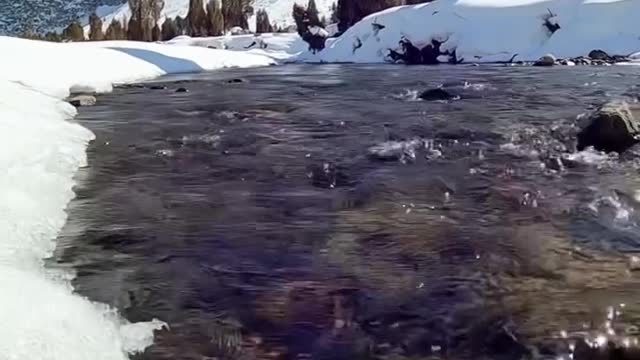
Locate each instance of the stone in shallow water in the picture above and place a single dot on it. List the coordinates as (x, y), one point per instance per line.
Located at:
(236, 81)
(546, 60)
(182, 90)
(436, 94)
(613, 127)
(82, 100)
(599, 55)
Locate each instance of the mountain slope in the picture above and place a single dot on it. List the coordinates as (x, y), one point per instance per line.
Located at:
(491, 30)
(40, 16)
(45, 15)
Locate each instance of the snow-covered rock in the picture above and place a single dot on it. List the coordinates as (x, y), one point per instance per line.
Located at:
(279, 46)
(493, 30)
(40, 151)
(546, 60)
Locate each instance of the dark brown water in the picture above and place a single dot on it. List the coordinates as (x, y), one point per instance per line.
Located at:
(253, 218)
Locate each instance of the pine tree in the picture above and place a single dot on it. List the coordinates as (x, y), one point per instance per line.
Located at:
(124, 29)
(134, 29)
(197, 19)
(73, 32)
(113, 31)
(236, 13)
(300, 18)
(263, 25)
(312, 14)
(215, 17)
(95, 28)
(144, 16)
(334, 14)
(53, 36)
(169, 29)
(181, 25)
(156, 33)
(28, 33)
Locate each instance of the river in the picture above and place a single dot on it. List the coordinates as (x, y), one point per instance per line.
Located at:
(256, 215)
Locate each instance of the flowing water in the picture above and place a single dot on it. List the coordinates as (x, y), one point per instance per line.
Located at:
(323, 212)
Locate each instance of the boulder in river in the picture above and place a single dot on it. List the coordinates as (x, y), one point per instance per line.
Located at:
(436, 94)
(236, 81)
(615, 126)
(546, 60)
(599, 55)
(82, 100)
(182, 90)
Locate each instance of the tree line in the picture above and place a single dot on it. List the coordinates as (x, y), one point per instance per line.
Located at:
(210, 19)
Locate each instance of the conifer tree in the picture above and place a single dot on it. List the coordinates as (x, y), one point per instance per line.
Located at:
(156, 33)
(73, 32)
(197, 19)
(263, 25)
(312, 14)
(95, 28)
(215, 17)
(169, 29)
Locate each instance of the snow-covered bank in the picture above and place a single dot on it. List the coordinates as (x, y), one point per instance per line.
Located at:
(493, 30)
(278, 46)
(57, 68)
(40, 151)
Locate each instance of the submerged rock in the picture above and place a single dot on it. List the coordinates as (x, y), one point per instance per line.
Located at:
(613, 127)
(546, 60)
(158, 87)
(236, 81)
(182, 90)
(404, 151)
(82, 100)
(436, 94)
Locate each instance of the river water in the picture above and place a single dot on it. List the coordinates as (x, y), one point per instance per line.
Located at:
(323, 212)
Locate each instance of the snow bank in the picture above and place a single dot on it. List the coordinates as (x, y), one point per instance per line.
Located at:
(56, 68)
(40, 150)
(494, 30)
(280, 46)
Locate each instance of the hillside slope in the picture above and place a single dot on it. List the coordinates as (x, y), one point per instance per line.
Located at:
(46, 15)
(492, 30)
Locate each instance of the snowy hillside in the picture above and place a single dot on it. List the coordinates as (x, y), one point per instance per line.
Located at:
(47, 15)
(44, 15)
(493, 30)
